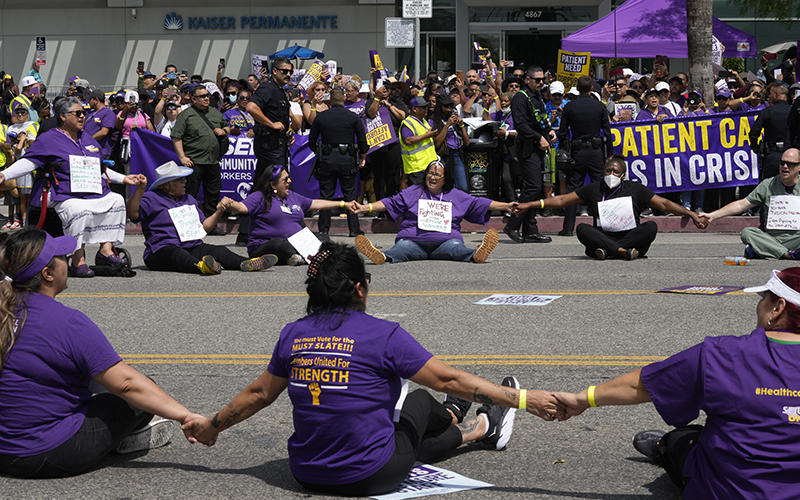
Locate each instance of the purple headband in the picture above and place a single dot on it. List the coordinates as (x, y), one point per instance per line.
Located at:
(276, 172)
(62, 245)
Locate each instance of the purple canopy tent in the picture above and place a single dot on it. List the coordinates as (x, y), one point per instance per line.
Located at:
(644, 29)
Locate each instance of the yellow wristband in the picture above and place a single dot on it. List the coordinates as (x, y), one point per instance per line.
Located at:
(313, 109)
(523, 399)
(590, 396)
(741, 99)
(542, 202)
(341, 205)
(370, 208)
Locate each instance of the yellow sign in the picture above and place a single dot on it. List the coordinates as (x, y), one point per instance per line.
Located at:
(571, 66)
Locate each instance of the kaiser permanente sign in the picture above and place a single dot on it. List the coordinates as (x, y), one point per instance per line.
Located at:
(174, 22)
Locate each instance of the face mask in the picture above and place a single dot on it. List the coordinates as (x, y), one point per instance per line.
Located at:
(232, 99)
(506, 111)
(612, 181)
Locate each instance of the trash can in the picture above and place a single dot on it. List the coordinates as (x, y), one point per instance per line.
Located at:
(482, 174)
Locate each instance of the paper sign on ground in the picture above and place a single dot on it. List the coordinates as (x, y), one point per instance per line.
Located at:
(702, 290)
(424, 480)
(433, 215)
(84, 174)
(306, 244)
(784, 212)
(187, 222)
(500, 299)
(616, 214)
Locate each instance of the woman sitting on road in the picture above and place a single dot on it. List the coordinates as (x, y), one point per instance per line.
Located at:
(356, 433)
(174, 226)
(431, 226)
(277, 213)
(747, 386)
(51, 425)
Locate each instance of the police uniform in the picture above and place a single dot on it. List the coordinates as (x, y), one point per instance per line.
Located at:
(772, 120)
(530, 122)
(270, 146)
(792, 137)
(581, 123)
(338, 158)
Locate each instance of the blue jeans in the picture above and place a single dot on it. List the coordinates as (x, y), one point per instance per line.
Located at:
(459, 172)
(405, 250)
(693, 200)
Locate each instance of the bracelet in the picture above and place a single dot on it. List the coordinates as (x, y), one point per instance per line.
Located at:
(486, 110)
(313, 109)
(370, 208)
(741, 99)
(523, 399)
(590, 396)
(541, 202)
(506, 134)
(341, 205)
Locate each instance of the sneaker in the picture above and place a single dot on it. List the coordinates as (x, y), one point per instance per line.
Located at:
(646, 213)
(368, 249)
(750, 253)
(584, 213)
(294, 260)
(7, 225)
(154, 435)
(490, 240)
(645, 442)
(259, 263)
(458, 406)
(501, 420)
(209, 266)
(109, 261)
(631, 254)
(16, 224)
(84, 271)
(794, 254)
(217, 232)
(600, 254)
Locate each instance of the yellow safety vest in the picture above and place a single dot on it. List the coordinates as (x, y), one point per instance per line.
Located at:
(3, 138)
(418, 156)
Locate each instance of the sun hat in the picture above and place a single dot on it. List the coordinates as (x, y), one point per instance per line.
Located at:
(168, 172)
(778, 287)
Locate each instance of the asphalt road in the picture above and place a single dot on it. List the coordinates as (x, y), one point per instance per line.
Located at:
(204, 338)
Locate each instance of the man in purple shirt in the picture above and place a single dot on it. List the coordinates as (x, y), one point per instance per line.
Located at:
(100, 122)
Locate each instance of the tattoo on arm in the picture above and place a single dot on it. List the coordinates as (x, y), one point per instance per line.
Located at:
(215, 421)
(510, 395)
(481, 398)
(233, 417)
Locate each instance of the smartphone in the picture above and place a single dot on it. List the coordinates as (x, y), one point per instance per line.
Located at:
(222, 62)
(483, 52)
(460, 75)
(339, 70)
(724, 73)
(265, 64)
(171, 75)
(778, 72)
(185, 72)
(769, 56)
(325, 97)
(140, 67)
(510, 64)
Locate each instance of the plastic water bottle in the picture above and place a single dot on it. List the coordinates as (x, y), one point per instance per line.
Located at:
(736, 261)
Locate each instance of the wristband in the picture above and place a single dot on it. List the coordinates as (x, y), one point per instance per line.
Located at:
(741, 99)
(341, 205)
(590, 396)
(486, 110)
(370, 208)
(541, 202)
(523, 399)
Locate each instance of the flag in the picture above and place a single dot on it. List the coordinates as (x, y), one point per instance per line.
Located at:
(149, 151)
(403, 76)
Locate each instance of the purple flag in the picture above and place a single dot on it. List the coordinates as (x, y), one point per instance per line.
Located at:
(150, 150)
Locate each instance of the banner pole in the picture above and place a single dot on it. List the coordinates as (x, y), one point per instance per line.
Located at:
(416, 50)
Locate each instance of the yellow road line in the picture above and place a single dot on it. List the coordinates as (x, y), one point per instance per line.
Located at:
(426, 293)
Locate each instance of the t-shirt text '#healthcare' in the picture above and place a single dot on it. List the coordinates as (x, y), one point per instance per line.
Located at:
(321, 360)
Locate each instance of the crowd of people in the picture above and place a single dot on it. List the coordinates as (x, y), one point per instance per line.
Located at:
(359, 434)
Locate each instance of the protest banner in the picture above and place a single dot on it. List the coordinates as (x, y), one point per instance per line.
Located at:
(312, 75)
(684, 154)
(257, 62)
(380, 131)
(571, 66)
(376, 64)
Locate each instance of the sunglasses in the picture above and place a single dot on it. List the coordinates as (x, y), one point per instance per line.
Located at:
(230, 94)
(244, 97)
(537, 80)
(513, 85)
(637, 87)
(77, 114)
(285, 71)
(203, 96)
(790, 164)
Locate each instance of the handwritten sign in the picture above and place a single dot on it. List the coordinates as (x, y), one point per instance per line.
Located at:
(84, 174)
(306, 244)
(380, 131)
(187, 222)
(784, 213)
(500, 299)
(625, 111)
(616, 214)
(435, 215)
(257, 62)
(424, 480)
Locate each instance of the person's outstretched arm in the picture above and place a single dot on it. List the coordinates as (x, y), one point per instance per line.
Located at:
(559, 201)
(256, 396)
(626, 389)
(732, 208)
(666, 205)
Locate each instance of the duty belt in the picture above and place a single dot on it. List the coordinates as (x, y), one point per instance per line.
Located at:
(578, 144)
(344, 149)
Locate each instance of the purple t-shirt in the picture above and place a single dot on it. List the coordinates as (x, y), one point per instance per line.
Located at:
(453, 138)
(97, 120)
(749, 387)
(747, 107)
(405, 204)
(238, 118)
(646, 114)
(344, 432)
(44, 383)
(355, 107)
(157, 226)
(56, 146)
(283, 219)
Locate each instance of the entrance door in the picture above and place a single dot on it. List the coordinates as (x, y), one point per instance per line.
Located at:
(540, 49)
(441, 55)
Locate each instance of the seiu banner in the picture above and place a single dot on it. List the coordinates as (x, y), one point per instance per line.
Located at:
(684, 154)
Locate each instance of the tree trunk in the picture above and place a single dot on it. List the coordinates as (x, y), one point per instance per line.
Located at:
(698, 38)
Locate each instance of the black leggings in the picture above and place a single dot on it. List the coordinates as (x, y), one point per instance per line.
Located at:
(276, 246)
(673, 449)
(108, 420)
(425, 431)
(181, 260)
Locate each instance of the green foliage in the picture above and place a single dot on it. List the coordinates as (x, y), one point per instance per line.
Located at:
(782, 10)
(734, 63)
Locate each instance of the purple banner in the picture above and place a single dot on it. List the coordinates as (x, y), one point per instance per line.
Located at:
(702, 290)
(684, 154)
(380, 131)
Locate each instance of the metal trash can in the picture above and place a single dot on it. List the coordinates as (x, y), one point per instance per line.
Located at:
(482, 175)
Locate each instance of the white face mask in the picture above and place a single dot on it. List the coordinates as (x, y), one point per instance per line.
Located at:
(612, 181)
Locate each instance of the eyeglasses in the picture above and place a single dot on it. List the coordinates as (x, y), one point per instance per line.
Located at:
(285, 71)
(434, 175)
(230, 94)
(513, 85)
(485, 94)
(368, 277)
(203, 96)
(244, 97)
(78, 113)
(21, 112)
(395, 88)
(790, 164)
(184, 91)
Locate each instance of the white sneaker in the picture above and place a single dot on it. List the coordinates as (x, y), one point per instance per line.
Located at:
(154, 435)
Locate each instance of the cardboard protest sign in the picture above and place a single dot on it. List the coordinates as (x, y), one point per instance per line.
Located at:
(571, 66)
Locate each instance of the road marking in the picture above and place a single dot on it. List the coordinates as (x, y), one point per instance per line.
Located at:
(454, 359)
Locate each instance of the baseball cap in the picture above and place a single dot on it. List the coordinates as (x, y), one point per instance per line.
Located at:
(662, 86)
(80, 82)
(694, 97)
(724, 92)
(650, 91)
(556, 88)
(27, 81)
(97, 94)
(418, 102)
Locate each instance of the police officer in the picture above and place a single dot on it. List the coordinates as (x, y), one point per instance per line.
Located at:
(270, 111)
(772, 120)
(534, 136)
(792, 138)
(338, 156)
(581, 123)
